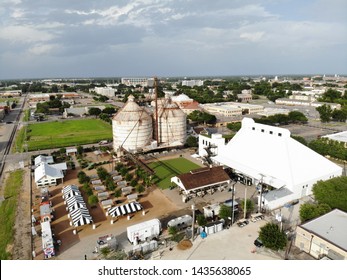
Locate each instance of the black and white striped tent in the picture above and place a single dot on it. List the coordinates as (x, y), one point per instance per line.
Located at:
(74, 199)
(81, 217)
(125, 209)
(71, 194)
(77, 205)
(69, 188)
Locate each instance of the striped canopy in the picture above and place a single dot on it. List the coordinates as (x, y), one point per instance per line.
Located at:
(71, 193)
(76, 205)
(73, 200)
(69, 188)
(81, 217)
(125, 209)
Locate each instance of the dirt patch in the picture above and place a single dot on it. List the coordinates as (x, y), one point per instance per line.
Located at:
(184, 244)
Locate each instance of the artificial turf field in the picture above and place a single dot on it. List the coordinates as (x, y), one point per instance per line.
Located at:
(166, 169)
(67, 133)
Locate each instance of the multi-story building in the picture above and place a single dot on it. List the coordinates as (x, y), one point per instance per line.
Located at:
(192, 83)
(144, 82)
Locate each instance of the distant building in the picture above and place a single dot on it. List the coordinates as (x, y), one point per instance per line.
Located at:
(245, 95)
(295, 102)
(229, 109)
(340, 137)
(11, 93)
(49, 175)
(192, 83)
(144, 82)
(324, 236)
(186, 104)
(106, 91)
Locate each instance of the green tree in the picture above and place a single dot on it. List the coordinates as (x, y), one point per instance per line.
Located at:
(128, 177)
(83, 178)
(249, 206)
(93, 200)
(102, 173)
(332, 192)
(339, 115)
(310, 211)
(93, 111)
(297, 117)
(224, 212)
(272, 237)
(79, 150)
(191, 141)
(118, 193)
(173, 231)
(325, 112)
(62, 151)
(236, 126)
(109, 111)
(201, 219)
(140, 188)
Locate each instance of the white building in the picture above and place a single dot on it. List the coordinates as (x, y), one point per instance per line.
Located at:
(268, 155)
(192, 83)
(208, 145)
(144, 82)
(300, 102)
(229, 109)
(340, 137)
(48, 175)
(106, 91)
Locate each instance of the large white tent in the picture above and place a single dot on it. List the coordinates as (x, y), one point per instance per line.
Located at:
(269, 155)
(125, 209)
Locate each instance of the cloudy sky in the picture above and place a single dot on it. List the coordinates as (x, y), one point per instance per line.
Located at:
(105, 38)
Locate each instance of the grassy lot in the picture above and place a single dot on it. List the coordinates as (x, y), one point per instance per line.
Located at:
(166, 169)
(67, 133)
(19, 141)
(8, 211)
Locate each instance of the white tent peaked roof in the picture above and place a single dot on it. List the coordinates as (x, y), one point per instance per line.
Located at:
(269, 153)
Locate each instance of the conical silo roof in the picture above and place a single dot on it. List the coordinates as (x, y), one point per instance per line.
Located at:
(131, 111)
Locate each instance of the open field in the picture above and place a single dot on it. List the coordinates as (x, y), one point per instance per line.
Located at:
(166, 169)
(67, 133)
(8, 212)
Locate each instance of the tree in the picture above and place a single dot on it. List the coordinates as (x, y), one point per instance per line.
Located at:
(201, 219)
(93, 111)
(325, 112)
(249, 205)
(118, 193)
(133, 183)
(62, 151)
(173, 232)
(191, 141)
(128, 177)
(83, 178)
(272, 237)
(339, 115)
(93, 200)
(236, 126)
(109, 111)
(297, 117)
(332, 192)
(102, 173)
(140, 188)
(224, 212)
(310, 211)
(79, 150)
(110, 185)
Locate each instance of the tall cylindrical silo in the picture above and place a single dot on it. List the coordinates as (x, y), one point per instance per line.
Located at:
(132, 127)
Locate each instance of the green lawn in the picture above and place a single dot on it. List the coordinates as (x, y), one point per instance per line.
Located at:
(67, 133)
(8, 211)
(166, 169)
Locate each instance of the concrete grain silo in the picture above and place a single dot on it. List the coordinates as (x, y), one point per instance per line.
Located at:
(132, 127)
(172, 124)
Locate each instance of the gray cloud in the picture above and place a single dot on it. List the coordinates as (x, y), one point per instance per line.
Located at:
(172, 37)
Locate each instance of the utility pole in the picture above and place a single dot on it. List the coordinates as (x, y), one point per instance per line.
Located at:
(156, 131)
(193, 222)
(233, 199)
(245, 204)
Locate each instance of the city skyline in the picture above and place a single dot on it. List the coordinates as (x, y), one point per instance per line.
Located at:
(50, 39)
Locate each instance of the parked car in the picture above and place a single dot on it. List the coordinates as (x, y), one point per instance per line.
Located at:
(258, 243)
